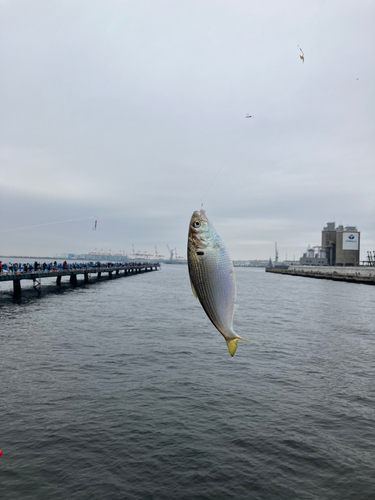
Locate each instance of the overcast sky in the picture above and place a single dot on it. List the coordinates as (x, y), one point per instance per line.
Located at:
(133, 112)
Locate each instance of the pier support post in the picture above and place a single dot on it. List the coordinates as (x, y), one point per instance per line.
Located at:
(37, 284)
(99, 275)
(73, 279)
(58, 280)
(86, 277)
(16, 287)
(110, 276)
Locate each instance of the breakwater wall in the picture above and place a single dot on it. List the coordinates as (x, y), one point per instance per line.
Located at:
(361, 274)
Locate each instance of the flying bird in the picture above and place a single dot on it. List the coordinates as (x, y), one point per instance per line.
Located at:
(302, 55)
(249, 116)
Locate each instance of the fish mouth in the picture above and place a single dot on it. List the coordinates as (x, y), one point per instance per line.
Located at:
(202, 215)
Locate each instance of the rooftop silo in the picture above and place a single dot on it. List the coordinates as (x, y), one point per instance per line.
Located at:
(347, 246)
(329, 242)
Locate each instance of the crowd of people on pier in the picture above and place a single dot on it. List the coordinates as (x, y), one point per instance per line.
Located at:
(37, 267)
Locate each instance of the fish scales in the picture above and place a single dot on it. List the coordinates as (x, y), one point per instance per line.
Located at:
(212, 286)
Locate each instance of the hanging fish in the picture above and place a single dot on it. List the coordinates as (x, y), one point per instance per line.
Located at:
(212, 276)
(249, 116)
(96, 222)
(302, 55)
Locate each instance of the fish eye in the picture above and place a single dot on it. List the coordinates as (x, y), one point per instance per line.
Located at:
(196, 223)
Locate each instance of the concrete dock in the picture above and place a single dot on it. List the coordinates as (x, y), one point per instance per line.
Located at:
(85, 270)
(360, 274)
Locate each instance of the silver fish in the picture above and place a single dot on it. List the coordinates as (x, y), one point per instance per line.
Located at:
(212, 276)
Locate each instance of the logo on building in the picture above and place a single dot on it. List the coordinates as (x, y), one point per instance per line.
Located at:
(350, 241)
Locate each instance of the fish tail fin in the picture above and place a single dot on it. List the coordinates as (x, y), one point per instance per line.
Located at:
(232, 344)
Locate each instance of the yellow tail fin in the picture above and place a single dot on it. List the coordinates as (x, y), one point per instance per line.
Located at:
(232, 344)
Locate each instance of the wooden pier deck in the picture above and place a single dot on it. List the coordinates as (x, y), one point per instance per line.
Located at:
(86, 270)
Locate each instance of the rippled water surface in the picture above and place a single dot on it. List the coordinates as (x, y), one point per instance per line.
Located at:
(124, 390)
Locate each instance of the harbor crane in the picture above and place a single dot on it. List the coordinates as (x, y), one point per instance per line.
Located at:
(176, 255)
(170, 251)
(157, 255)
(371, 259)
(136, 253)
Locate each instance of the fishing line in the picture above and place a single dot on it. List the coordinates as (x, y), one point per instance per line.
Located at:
(222, 166)
(93, 217)
(58, 222)
(44, 224)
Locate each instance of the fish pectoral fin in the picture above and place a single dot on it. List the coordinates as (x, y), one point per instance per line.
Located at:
(192, 287)
(232, 344)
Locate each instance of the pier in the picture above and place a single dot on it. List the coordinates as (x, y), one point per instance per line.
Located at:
(361, 274)
(86, 270)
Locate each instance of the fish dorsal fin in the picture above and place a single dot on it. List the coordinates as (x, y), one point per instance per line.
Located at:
(192, 287)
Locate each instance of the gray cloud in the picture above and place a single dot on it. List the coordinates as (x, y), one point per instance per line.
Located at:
(128, 111)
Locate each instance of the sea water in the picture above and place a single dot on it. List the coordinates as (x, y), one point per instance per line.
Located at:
(123, 389)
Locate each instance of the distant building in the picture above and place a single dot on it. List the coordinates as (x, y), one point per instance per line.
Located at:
(340, 247)
(312, 258)
(329, 242)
